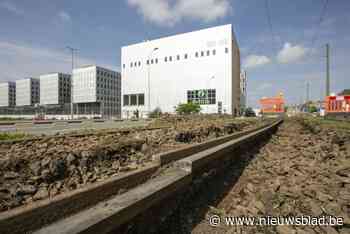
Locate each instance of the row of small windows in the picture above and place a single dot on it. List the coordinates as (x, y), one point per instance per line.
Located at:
(177, 57)
(107, 74)
(202, 97)
(134, 99)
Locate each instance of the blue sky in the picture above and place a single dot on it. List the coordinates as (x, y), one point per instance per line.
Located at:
(34, 34)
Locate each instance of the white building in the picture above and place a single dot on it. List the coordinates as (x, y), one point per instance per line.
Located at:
(55, 89)
(243, 85)
(201, 66)
(27, 92)
(7, 94)
(97, 90)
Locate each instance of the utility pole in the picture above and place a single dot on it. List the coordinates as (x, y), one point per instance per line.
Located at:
(307, 91)
(72, 50)
(328, 72)
(307, 95)
(149, 78)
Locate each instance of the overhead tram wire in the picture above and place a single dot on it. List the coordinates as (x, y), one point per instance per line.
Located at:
(268, 14)
(316, 34)
(257, 44)
(322, 15)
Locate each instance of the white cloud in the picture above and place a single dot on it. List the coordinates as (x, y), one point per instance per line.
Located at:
(19, 60)
(170, 12)
(255, 60)
(11, 7)
(264, 86)
(64, 16)
(290, 54)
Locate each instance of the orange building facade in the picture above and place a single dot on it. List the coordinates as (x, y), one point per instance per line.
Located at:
(272, 105)
(337, 104)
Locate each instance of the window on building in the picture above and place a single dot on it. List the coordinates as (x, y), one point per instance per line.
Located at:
(214, 52)
(196, 54)
(166, 59)
(156, 60)
(139, 64)
(208, 52)
(130, 64)
(135, 64)
(151, 61)
(178, 57)
(170, 58)
(147, 62)
(141, 98)
(202, 53)
(202, 97)
(186, 56)
(133, 99)
(226, 50)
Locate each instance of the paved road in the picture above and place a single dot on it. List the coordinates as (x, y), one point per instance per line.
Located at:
(64, 127)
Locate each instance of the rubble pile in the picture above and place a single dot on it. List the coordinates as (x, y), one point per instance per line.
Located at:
(36, 169)
(303, 170)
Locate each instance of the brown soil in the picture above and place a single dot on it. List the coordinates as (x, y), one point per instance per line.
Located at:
(304, 169)
(36, 169)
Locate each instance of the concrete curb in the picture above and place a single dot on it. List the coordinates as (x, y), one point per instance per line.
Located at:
(108, 215)
(199, 160)
(105, 216)
(28, 218)
(178, 154)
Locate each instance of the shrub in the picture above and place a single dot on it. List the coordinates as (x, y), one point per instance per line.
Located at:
(249, 112)
(188, 108)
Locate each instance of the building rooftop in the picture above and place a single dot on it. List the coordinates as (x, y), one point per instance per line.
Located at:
(345, 92)
(179, 34)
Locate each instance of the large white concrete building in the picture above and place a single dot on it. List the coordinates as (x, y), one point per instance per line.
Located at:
(7, 94)
(97, 90)
(55, 89)
(27, 92)
(201, 66)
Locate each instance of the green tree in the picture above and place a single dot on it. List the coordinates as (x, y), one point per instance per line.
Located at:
(188, 108)
(312, 109)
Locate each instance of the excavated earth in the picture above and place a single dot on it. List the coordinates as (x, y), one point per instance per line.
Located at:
(304, 169)
(37, 169)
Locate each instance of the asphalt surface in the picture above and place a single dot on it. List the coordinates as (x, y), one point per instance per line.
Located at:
(64, 127)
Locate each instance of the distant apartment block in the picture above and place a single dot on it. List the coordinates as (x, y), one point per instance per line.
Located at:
(27, 92)
(55, 89)
(7, 94)
(97, 90)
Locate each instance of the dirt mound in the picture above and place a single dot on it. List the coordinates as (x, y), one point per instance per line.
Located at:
(303, 170)
(36, 169)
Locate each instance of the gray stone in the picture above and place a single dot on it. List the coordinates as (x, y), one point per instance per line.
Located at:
(46, 175)
(45, 161)
(283, 229)
(35, 167)
(144, 148)
(27, 189)
(11, 175)
(57, 167)
(70, 159)
(41, 194)
(329, 230)
(306, 230)
(315, 209)
(344, 231)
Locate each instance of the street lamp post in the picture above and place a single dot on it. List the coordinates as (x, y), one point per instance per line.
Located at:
(72, 50)
(149, 79)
